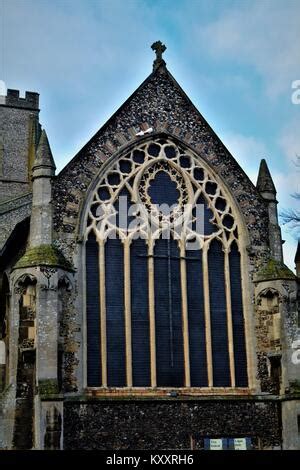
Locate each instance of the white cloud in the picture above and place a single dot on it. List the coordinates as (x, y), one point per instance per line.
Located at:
(70, 41)
(289, 140)
(247, 150)
(288, 183)
(2, 88)
(262, 34)
(289, 250)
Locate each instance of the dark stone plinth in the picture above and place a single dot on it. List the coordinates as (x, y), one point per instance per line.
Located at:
(167, 424)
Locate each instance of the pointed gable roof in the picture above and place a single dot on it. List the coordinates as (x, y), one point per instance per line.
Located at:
(158, 103)
(161, 104)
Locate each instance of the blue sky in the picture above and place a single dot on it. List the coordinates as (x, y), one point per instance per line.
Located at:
(235, 59)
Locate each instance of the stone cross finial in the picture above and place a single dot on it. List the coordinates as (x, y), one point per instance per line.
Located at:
(159, 49)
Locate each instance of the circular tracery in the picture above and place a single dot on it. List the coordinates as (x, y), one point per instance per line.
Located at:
(163, 191)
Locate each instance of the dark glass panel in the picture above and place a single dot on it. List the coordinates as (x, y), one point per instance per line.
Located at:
(115, 321)
(195, 296)
(168, 317)
(93, 313)
(240, 357)
(218, 315)
(140, 314)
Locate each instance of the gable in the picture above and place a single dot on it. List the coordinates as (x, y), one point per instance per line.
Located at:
(162, 242)
(159, 103)
(13, 212)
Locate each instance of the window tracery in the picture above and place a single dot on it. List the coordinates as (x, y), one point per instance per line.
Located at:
(180, 242)
(138, 173)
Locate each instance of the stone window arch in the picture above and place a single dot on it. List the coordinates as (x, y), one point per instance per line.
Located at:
(163, 311)
(269, 300)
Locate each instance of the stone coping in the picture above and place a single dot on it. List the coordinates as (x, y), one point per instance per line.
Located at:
(43, 255)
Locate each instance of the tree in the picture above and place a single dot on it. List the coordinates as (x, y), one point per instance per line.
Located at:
(291, 217)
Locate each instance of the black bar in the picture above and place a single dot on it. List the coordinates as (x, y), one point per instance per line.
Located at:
(146, 459)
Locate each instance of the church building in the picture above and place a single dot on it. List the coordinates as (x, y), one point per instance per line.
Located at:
(144, 299)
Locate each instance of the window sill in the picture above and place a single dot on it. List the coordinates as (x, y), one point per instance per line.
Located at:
(166, 392)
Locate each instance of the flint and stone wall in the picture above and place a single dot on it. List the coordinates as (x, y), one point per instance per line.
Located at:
(128, 424)
(168, 425)
(18, 137)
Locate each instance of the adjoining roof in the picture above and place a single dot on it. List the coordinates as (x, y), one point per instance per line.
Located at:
(15, 203)
(15, 241)
(12, 212)
(264, 179)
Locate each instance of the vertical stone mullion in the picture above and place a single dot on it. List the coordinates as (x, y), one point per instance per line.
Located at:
(152, 313)
(185, 322)
(208, 339)
(102, 312)
(127, 299)
(248, 327)
(229, 317)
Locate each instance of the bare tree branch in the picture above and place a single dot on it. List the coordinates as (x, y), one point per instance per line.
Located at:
(291, 217)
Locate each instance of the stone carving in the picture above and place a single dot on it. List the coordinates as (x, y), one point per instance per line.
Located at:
(48, 273)
(159, 49)
(22, 283)
(65, 282)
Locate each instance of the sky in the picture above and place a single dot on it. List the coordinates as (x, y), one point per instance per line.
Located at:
(237, 60)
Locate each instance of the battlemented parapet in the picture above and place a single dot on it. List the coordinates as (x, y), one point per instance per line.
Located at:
(13, 99)
(19, 134)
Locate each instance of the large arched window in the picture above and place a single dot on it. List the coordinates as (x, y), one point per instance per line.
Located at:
(164, 301)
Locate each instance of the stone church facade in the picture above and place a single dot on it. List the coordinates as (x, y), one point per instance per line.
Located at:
(115, 336)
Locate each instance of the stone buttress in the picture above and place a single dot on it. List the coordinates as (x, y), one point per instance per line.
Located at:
(35, 282)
